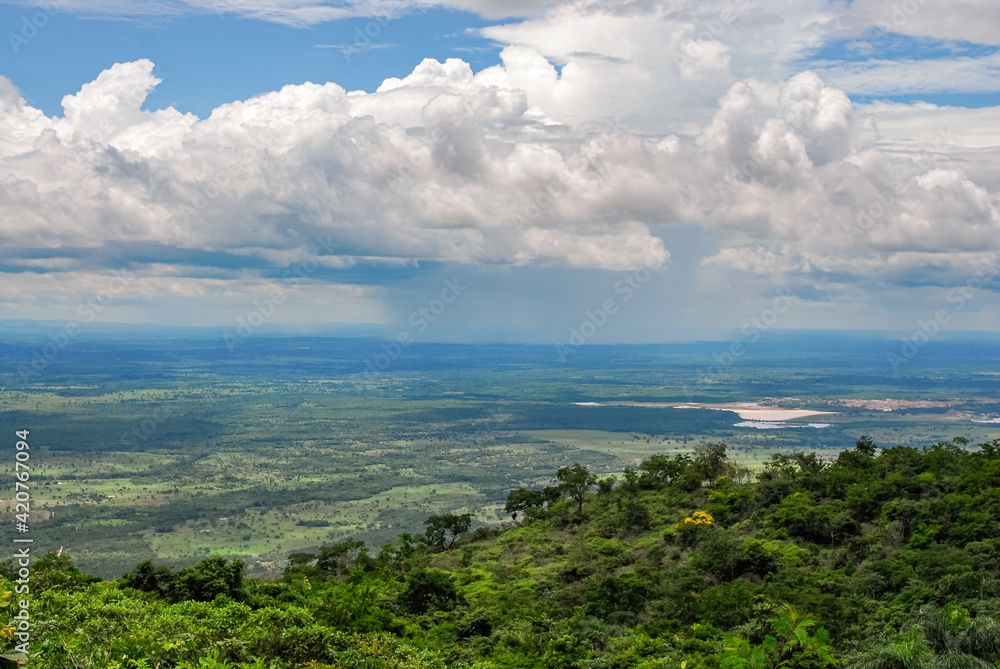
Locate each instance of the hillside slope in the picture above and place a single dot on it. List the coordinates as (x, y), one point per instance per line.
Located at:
(882, 559)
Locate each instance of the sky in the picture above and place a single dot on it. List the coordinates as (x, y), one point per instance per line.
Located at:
(459, 170)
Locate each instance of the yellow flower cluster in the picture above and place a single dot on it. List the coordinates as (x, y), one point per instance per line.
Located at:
(6, 632)
(696, 518)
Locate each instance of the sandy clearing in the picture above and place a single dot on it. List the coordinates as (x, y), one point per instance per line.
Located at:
(775, 414)
(750, 411)
(745, 410)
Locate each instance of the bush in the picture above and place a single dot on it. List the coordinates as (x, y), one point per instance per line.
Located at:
(207, 580)
(633, 516)
(428, 589)
(148, 577)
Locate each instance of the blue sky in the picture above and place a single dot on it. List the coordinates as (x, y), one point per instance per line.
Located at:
(207, 60)
(211, 58)
(838, 156)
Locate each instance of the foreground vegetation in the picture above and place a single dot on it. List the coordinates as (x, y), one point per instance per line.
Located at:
(881, 559)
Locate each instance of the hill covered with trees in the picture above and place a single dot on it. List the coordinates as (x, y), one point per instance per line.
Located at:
(882, 559)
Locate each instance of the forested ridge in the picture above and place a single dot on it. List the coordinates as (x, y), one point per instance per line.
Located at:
(882, 559)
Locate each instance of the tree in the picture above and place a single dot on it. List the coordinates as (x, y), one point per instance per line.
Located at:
(631, 484)
(301, 559)
(54, 570)
(907, 651)
(990, 450)
(952, 633)
(444, 531)
(659, 470)
(606, 485)
(710, 460)
(521, 500)
(790, 646)
(565, 652)
(866, 446)
(552, 494)
(10, 656)
(738, 474)
(627, 593)
(575, 482)
(207, 580)
(809, 463)
(338, 559)
(429, 589)
(801, 516)
(633, 515)
(148, 577)
(722, 553)
(948, 639)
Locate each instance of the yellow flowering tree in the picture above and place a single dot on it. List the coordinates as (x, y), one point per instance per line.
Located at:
(688, 529)
(9, 657)
(696, 518)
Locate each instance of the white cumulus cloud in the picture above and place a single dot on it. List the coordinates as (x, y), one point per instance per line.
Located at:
(503, 167)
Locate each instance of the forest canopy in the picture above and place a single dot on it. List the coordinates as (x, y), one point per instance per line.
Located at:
(880, 559)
